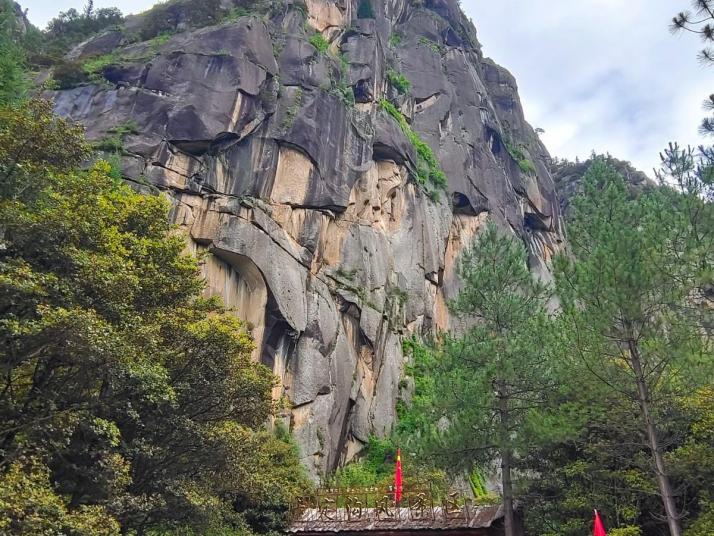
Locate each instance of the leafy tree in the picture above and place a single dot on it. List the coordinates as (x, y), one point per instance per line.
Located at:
(72, 27)
(693, 460)
(126, 399)
(13, 82)
(627, 315)
(166, 17)
(492, 382)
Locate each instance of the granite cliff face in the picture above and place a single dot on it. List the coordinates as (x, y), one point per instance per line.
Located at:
(319, 234)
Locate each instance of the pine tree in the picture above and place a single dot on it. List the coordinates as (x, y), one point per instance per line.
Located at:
(700, 21)
(493, 380)
(627, 311)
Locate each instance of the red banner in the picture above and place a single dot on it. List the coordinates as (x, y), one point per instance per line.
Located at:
(398, 478)
(598, 528)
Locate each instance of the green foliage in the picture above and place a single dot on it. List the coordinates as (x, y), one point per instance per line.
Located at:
(128, 400)
(160, 40)
(29, 505)
(34, 144)
(477, 482)
(365, 10)
(593, 464)
(319, 42)
(626, 531)
(165, 18)
(416, 421)
(400, 82)
(236, 13)
(13, 83)
(428, 168)
(435, 47)
(69, 74)
(375, 468)
(72, 27)
(629, 321)
(500, 355)
(524, 163)
(113, 143)
(687, 180)
(483, 395)
(700, 22)
(395, 39)
(94, 67)
(292, 110)
(343, 91)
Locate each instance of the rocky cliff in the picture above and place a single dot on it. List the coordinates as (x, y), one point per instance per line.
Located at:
(293, 144)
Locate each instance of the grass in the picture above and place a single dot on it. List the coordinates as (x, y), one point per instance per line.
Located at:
(114, 142)
(292, 111)
(338, 86)
(524, 163)
(234, 14)
(395, 39)
(400, 82)
(428, 168)
(160, 40)
(94, 67)
(320, 43)
(433, 45)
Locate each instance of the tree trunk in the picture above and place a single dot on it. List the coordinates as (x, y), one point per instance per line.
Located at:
(665, 487)
(506, 455)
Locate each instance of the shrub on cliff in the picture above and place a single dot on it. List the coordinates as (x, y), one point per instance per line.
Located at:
(126, 400)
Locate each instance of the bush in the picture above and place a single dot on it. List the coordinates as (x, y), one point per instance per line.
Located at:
(524, 163)
(168, 17)
(320, 43)
(69, 74)
(395, 39)
(626, 531)
(400, 82)
(72, 27)
(428, 168)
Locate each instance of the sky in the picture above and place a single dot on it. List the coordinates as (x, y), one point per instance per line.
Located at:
(602, 75)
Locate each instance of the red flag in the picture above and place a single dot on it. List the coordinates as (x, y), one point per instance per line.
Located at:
(599, 528)
(398, 478)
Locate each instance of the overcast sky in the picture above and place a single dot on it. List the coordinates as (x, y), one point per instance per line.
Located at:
(602, 75)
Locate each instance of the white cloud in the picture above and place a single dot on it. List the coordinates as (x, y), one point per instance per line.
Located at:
(599, 74)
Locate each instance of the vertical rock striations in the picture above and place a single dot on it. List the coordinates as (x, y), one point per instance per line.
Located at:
(282, 161)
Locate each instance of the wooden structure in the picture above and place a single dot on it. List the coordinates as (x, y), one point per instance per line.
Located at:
(374, 512)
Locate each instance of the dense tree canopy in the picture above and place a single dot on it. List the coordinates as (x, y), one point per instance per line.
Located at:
(127, 400)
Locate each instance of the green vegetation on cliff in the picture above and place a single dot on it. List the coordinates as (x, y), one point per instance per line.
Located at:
(12, 58)
(428, 169)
